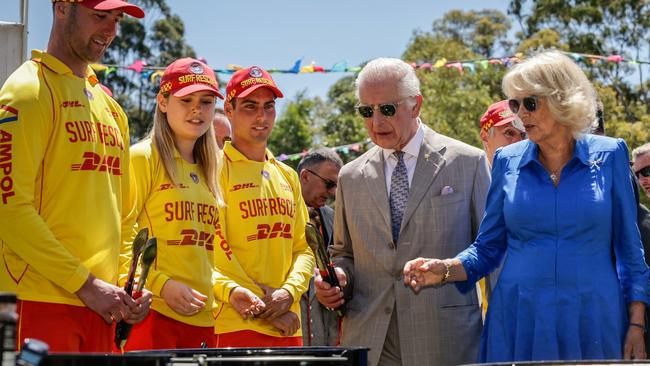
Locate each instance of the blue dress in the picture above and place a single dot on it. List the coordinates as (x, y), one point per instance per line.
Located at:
(559, 296)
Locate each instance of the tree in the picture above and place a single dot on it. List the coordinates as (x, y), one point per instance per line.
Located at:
(344, 125)
(454, 101)
(481, 31)
(292, 132)
(600, 27)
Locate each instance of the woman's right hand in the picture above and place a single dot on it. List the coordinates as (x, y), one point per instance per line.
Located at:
(423, 272)
(182, 298)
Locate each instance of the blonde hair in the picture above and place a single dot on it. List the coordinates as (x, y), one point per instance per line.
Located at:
(205, 152)
(561, 83)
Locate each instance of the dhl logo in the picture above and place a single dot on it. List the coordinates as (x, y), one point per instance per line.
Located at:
(166, 186)
(95, 162)
(71, 104)
(238, 187)
(193, 237)
(264, 231)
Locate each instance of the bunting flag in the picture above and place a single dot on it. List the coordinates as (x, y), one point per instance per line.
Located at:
(153, 72)
(343, 149)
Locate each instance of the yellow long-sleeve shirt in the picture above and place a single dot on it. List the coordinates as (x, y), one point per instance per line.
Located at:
(261, 237)
(64, 161)
(183, 220)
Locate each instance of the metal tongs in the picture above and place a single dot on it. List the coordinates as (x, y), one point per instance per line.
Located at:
(323, 260)
(147, 248)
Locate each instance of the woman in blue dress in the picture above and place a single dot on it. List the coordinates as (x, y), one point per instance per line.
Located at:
(561, 211)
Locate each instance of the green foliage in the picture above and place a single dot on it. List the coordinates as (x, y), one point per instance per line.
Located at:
(292, 132)
(480, 31)
(543, 39)
(344, 125)
(454, 102)
(601, 27)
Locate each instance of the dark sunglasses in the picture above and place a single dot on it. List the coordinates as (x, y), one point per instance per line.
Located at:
(644, 172)
(387, 109)
(530, 103)
(329, 184)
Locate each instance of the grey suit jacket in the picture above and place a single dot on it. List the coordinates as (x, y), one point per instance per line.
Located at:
(438, 326)
(320, 327)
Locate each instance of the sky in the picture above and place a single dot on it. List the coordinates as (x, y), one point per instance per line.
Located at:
(274, 34)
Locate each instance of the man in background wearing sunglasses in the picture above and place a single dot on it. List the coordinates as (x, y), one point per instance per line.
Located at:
(416, 193)
(318, 172)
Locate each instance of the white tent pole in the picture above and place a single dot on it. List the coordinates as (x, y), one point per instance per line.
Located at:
(24, 7)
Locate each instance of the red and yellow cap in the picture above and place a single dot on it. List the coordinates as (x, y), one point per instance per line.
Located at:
(186, 76)
(498, 114)
(246, 81)
(106, 5)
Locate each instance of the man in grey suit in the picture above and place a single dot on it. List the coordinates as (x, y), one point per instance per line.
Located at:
(318, 171)
(414, 194)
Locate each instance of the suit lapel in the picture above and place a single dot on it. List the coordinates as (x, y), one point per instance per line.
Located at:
(429, 163)
(373, 174)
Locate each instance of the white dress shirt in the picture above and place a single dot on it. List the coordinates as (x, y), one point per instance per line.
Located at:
(411, 151)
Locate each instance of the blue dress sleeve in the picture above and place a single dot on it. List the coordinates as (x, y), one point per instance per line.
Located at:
(630, 263)
(485, 254)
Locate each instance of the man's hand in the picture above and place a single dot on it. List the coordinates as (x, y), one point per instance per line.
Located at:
(182, 298)
(330, 297)
(138, 312)
(111, 302)
(288, 323)
(246, 302)
(422, 272)
(278, 301)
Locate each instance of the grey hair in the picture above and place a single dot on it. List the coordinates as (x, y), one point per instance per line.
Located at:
(641, 150)
(318, 156)
(381, 69)
(561, 83)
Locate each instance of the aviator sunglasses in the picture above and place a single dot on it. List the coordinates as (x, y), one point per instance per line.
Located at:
(386, 109)
(329, 184)
(530, 103)
(643, 172)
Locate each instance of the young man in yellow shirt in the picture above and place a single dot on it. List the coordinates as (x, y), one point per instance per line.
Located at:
(261, 245)
(64, 176)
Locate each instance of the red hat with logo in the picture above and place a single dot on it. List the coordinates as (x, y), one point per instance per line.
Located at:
(498, 114)
(246, 81)
(186, 76)
(107, 5)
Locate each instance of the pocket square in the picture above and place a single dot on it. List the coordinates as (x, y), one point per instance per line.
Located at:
(446, 190)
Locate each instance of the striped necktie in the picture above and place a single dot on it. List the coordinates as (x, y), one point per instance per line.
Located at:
(399, 193)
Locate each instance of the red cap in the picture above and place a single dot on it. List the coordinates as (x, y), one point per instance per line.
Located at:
(106, 5)
(246, 81)
(498, 114)
(187, 75)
